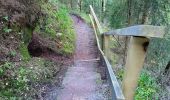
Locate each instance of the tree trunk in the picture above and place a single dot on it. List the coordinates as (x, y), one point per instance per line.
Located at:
(80, 5)
(71, 4)
(145, 11)
(103, 6)
(129, 15)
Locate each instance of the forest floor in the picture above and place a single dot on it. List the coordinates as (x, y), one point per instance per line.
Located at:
(82, 80)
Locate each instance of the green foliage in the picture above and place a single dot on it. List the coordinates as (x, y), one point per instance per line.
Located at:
(156, 62)
(19, 82)
(50, 27)
(26, 35)
(47, 25)
(147, 87)
(117, 14)
(83, 15)
(13, 80)
(65, 27)
(6, 18)
(120, 74)
(13, 53)
(24, 52)
(57, 21)
(7, 30)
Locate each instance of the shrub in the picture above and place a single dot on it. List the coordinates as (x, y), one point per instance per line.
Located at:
(22, 81)
(147, 87)
(13, 80)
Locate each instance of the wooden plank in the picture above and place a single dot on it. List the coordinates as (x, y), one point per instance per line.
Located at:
(134, 63)
(106, 46)
(140, 30)
(96, 19)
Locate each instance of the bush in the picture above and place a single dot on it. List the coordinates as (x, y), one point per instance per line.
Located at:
(147, 87)
(13, 80)
(57, 20)
(22, 82)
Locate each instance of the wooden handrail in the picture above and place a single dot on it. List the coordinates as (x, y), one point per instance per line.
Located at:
(139, 30)
(115, 87)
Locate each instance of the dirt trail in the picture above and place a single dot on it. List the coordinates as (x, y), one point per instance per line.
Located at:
(82, 80)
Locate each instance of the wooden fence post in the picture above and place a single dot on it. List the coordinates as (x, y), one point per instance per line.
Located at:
(106, 45)
(134, 63)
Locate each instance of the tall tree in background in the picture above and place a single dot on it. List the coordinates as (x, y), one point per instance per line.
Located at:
(129, 15)
(145, 11)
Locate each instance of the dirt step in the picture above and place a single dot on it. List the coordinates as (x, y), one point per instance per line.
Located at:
(80, 79)
(81, 69)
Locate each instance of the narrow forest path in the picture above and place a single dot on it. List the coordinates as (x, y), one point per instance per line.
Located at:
(82, 81)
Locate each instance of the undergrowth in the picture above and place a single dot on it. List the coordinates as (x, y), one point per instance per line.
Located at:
(22, 82)
(83, 15)
(24, 78)
(67, 36)
(58, 25)
(147, 87)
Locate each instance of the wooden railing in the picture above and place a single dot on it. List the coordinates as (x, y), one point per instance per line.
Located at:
(114, 85)
(139, 36)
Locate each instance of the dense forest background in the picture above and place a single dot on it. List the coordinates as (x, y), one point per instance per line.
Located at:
(47, 26)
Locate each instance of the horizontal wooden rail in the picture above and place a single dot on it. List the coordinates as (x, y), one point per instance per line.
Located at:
(139, 30)
(114, 85)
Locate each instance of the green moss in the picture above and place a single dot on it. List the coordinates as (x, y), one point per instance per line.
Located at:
(27, 35)
(57, 21)
(24, 52)
(68, 37)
